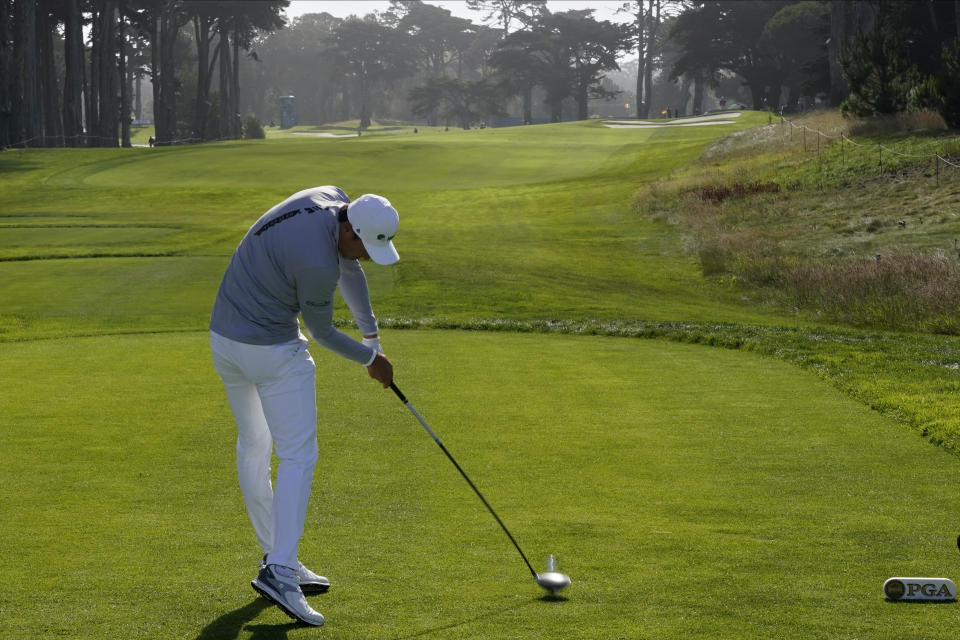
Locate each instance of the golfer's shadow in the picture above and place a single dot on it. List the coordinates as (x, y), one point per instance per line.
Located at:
(230, 625)
(494, 611)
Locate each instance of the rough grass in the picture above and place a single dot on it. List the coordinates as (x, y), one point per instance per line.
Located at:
(848, 236)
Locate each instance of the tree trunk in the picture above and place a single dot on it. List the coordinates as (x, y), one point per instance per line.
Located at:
(364, 106)
(163, 40)
(49, 89)
(236, 123)
(224, 86)
(581, 95)
(85, 140)
(201, 29)
(73, 76)
(775, 90)
(107, 71)
(29, 101)
(165, 110)
(838, 38)
(122, 64)
(158, 107)
(6, 77)
(756, 93)
(556, 111)
(684, 94)
(138, 95)
(698, 83)
(92, 93)
(642, 56)
(653, 20)
(528, 103)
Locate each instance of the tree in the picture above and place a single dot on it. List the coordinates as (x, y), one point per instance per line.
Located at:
(797, 35)
(520, 62)
(506, 11)
(698, 44)
(246, 17)
(473, 51)
(941, 91)
(7, 84)
(203, 15)
(106, 57)
(371, 55)
(646, 30)
(846, 18)
(592, 48)
(566, 53)
(717, 35)
(434, 33)
(465, 102)
(163, 19)
(27, 90)
(877, 67)
(293, 60)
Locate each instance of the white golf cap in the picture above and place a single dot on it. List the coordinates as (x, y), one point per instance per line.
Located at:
(375, 222)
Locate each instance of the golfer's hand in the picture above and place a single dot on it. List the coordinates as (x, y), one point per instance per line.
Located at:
(381, 370)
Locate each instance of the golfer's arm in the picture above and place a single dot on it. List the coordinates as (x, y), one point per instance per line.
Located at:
(316, 308)
(353, 288)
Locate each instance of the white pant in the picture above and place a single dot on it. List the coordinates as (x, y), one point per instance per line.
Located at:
(272, 393)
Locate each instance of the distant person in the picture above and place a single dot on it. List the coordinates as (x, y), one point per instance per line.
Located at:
(723, 102)
(288, 265)
(151, 141)
(415, 130)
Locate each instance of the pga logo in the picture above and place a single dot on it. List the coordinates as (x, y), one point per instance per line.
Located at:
(931, 589)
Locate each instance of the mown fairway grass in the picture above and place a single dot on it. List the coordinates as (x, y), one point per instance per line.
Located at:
(518, 223)
(688, 491)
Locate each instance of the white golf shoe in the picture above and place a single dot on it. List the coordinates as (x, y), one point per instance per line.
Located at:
(284, 591)
(310, 583)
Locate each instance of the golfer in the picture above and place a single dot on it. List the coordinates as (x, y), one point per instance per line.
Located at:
(289, 264)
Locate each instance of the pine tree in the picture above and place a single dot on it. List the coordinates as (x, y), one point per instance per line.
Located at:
(877, 69)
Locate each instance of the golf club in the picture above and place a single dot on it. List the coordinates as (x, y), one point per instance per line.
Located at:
(550, 580)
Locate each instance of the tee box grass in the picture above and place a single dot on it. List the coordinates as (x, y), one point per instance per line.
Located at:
(688, 491)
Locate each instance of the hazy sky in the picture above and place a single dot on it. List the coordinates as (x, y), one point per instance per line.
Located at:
(603, 9)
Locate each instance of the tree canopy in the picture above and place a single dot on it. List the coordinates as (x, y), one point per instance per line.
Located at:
(81, 72)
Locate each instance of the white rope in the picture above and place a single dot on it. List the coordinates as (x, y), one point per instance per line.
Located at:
(904, 155)
(882, 147)
(945, 161)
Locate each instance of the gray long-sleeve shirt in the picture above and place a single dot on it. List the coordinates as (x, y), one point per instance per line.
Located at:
(287, 264)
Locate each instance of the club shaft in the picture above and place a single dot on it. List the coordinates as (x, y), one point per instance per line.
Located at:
(423, 422)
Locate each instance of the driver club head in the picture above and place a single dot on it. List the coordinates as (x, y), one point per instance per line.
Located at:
(551, 579)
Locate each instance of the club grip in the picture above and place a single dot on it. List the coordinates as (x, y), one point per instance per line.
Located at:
(399, 393)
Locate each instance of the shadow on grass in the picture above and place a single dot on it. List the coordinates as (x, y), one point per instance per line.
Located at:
(481, 616)
(229, 625)
(552, 597)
